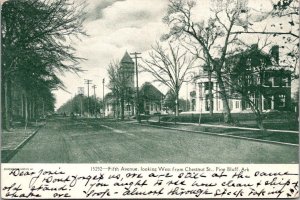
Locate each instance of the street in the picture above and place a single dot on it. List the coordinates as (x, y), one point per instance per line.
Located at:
(63, 140)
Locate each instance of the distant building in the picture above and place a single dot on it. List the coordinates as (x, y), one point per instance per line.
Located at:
(112, 106)
(128, 70)
(151, 99)
(268, 86)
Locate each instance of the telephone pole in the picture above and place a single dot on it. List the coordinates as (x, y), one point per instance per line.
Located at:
(103, 81)
(88, 82)
(135, 54)
(95, 109)
(81, 93)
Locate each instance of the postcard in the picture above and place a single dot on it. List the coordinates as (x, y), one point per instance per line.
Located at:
(149, 99)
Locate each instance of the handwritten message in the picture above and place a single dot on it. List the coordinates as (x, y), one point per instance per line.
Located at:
(96, 181)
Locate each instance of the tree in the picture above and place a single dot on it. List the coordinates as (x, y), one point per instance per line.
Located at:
(119, 85)
(213, 35)
(79, 104)
(170, 99)
(169, 67)
(247, 76)
(284, 29)
(35, 37)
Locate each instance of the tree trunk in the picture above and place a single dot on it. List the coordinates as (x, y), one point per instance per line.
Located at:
(226, 109)
(6, 114)
(211, 102)
(29, 111)
(22, 105)
(176, 104)
(259, 121)
(44, 109)
(260, 102)
(122, 108)
(32, 110)
(258, 114)
(259, 118)
(26, 111)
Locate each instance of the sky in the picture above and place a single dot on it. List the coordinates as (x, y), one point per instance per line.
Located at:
(114, 27)
(117, 26)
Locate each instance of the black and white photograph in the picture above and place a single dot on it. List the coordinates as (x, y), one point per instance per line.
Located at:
(150, 82)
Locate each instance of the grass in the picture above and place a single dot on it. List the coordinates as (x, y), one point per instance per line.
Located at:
(292, 138)
(276, 120)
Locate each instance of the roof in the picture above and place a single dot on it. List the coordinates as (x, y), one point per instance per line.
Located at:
(126, 58)
(150, 92)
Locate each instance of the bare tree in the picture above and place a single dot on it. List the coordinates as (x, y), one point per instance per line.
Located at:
(284, 29)
(118, 84)
(213, 36)
(194, 49)
(169, 67)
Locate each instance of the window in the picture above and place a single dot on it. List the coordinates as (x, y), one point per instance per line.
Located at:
(257, 80)
(249, 79)
(281, 102)
(276, 81)
(268, 103)
(128, 107)
(268, 80)
(285, 82)
(237, 104)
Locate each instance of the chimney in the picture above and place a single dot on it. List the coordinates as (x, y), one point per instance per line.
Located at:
(274, 52)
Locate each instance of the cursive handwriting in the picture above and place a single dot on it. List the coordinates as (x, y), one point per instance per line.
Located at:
(149, 181)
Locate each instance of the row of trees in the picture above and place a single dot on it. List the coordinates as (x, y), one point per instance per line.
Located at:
(36, 48)
(82, 105)
(216, 40)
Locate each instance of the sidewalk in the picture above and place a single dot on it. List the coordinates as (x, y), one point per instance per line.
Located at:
(271, 136)
(13, 140)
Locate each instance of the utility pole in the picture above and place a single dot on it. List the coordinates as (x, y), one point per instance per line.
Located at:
(81, 92)
(135, 54)
(103, 102)
(95, 109)
(88, 82)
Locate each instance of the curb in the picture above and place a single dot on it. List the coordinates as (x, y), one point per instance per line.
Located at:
(20, 145)
(220, 134)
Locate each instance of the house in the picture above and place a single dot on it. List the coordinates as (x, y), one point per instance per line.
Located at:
(255, 78)
(151, 99)
(110, 105)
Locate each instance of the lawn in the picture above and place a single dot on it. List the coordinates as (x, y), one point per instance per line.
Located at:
(275, 120)
(292, 138)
